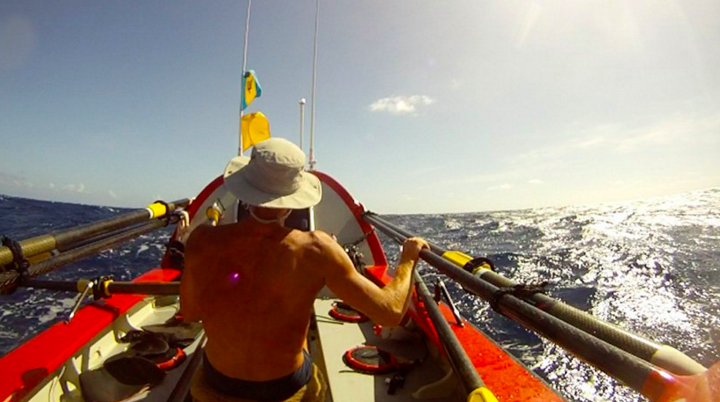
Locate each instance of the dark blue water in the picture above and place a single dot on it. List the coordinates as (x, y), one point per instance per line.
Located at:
(650, 266)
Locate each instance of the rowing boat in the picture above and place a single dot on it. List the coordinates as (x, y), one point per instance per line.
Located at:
(436, 354)
(132, 343)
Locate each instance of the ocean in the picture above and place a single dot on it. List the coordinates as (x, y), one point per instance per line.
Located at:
(650, 266)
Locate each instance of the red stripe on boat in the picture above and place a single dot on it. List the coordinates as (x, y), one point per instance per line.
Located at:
(25, 367)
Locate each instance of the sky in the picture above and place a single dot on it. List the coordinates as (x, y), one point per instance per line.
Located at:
(421, 106)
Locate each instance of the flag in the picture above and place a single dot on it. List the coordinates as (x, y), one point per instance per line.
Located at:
(251, 89)
(255, 128)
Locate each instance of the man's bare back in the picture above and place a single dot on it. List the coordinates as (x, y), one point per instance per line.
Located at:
(254, 291)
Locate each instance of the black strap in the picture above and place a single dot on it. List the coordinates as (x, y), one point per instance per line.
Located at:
(99, 290)
(19, 263)
(478, 262)
(521, 291)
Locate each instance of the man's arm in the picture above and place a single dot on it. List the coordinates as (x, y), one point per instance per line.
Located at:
(385, 306)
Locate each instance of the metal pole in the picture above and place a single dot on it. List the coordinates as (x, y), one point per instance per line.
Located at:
(302, 121)
(242, 74)
(312, 105)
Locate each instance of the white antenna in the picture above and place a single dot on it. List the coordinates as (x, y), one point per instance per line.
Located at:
(312, 105)
(302, 121)
(242, 73)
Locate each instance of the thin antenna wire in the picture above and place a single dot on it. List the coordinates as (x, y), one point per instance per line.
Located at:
(242, 73)
(302, 121)
(312, 105)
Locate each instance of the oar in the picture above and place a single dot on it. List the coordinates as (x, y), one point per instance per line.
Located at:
(473, 385)
(663, 356)
(68, 239)
(108, 287)
(655, 383)
(10, 279)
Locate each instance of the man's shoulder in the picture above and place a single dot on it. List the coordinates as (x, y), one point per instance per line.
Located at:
(315, 240)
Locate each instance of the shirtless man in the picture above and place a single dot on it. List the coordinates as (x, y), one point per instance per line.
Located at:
(253, 283)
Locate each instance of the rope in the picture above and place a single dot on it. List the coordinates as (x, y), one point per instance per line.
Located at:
(19, 264)
(521, 291)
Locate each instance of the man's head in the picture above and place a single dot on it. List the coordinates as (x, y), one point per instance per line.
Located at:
(273, 177)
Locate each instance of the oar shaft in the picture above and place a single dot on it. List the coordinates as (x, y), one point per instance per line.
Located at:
(660, 355)
(68, 239)
(620, 364)
(10, 278)
(456, 354)
(139, 288)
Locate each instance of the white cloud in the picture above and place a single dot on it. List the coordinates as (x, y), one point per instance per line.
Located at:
(401, 104)
(113, 195)
(15, 180)
(455, 83)
(535, 182)
(75, 188)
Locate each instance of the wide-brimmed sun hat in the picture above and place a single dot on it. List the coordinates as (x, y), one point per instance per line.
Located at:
(273, 177)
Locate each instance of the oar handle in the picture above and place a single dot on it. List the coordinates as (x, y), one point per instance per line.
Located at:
(145, 288)
(110, 287)
(660, 355)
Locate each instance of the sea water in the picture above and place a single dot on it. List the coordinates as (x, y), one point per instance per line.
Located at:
(650, 266)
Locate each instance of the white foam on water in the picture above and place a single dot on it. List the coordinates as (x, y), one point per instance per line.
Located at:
(55, 310)
(143, 248)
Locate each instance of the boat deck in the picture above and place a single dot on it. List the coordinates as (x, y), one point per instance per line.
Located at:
(330, 339)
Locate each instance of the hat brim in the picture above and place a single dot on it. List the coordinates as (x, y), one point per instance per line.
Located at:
(307, 195)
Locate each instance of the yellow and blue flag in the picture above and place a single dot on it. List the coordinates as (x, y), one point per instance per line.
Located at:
(251, 89)
(255, 128)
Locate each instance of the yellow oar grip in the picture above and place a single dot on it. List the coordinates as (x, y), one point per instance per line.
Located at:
(481, 394)
(460, 259)
(456, 257)
(104, 287)
(157, 210)
(213, 215)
